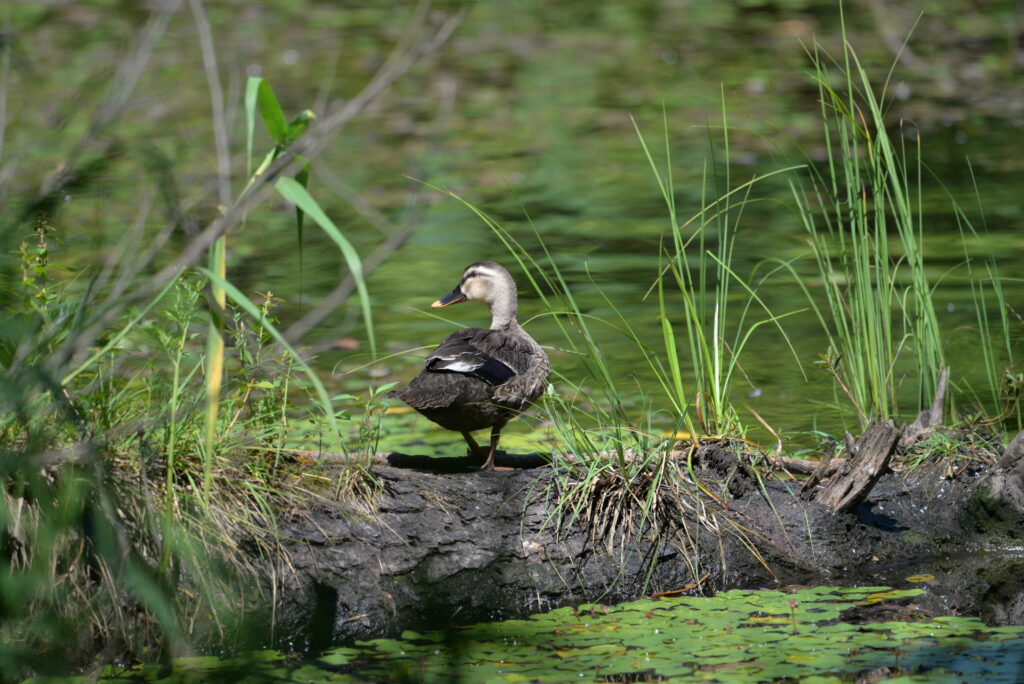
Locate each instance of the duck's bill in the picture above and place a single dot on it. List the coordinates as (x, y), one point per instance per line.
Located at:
(453, 297)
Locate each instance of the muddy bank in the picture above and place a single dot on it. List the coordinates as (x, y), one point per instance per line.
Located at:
(453, 548)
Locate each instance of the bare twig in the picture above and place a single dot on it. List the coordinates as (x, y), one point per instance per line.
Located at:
(345, 288)
(220, 133)
(819, 473)
(802, 466)
(5, 70)
(397, 236)
(123, 83)
(398, 63)
(354, 199)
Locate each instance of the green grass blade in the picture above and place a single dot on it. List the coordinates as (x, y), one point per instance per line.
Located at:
(293, 191)
(252, 87)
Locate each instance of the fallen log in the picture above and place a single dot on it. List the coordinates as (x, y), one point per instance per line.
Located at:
(436, 549)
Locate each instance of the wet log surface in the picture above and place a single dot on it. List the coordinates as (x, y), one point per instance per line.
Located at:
(447, 548)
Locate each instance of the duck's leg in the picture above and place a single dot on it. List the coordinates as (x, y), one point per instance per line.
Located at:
(495, 436)
(474, 448)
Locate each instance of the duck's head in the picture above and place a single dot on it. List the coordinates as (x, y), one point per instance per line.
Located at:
(488, 282)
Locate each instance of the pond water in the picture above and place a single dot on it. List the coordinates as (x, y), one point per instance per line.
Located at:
(807, 634)
(527, 113)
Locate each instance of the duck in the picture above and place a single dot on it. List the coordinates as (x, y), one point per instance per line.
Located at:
(479, 378)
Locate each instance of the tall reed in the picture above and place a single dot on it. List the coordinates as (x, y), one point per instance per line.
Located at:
(699, 257)
(1002, 375)
(879, 315)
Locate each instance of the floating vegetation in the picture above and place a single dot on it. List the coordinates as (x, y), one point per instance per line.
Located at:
(734, 636)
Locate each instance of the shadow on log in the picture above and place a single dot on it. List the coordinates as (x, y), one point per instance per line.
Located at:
(446, 548)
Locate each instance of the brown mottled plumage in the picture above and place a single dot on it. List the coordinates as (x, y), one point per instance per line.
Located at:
(481, 378)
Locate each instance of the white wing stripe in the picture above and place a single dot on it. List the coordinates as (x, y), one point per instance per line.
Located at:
(461, 366)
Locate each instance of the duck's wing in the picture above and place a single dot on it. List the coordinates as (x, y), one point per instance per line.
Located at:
(473, 352)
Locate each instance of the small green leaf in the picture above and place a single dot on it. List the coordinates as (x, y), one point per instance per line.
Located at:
(270, 111)
(383, 388)
(339, 656)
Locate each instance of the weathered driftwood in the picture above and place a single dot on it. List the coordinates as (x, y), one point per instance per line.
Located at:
(823, 470)
(825, 467)
(929, 419)
(925, 423)
(871, 454)
(444, 548)
(441, 548)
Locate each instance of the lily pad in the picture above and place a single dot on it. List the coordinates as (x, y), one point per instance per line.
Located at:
(734, 636)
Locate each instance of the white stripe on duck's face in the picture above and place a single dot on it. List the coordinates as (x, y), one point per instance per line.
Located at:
(479, 283)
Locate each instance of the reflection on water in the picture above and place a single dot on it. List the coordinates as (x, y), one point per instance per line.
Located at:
(527, 114)
(802, 634)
